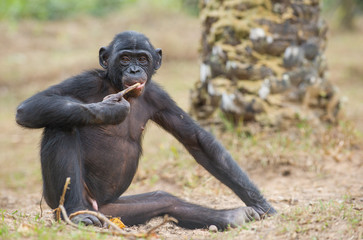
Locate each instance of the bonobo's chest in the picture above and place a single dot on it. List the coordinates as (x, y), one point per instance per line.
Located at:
(120, 142)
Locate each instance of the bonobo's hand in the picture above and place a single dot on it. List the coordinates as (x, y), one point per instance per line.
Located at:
(112, 110)
(115, 98)
(87, 220)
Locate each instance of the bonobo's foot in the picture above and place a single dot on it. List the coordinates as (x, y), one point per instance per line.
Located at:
(265, 210)
(242, 215)
(87, 220)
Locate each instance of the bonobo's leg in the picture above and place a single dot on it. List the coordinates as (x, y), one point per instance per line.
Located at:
(137, 209)
(61, 158)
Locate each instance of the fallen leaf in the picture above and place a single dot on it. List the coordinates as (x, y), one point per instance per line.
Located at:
(118, 222)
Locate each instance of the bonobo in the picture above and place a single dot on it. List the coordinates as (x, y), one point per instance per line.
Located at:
(93, 135)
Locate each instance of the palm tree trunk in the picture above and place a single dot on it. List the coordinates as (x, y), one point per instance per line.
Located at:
(263, 60)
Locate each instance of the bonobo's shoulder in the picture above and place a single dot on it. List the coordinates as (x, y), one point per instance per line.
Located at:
(157, 96)
(154, 88)
(84, 82)
(93, 74)
(86, 78)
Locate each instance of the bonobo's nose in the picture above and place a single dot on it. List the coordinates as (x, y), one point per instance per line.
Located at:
(134, 70)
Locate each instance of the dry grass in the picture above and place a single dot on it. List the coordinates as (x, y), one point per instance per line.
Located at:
(312, 175)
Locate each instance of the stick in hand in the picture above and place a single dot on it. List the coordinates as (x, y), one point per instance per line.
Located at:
(122, 93)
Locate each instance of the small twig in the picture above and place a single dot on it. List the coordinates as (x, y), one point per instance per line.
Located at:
(68, 181)
(264, 214)
(165, 221)
(62, 210)
(40, 206)
(101, 217)
(61, 201)
(123, 92)
(116, 230)
(66, 218)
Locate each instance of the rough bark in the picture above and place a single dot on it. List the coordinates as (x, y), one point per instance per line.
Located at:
(263, 61)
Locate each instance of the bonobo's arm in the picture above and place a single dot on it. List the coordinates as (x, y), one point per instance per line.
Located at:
(74, 102)
(207, 151)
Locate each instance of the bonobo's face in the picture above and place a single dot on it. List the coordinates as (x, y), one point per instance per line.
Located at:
(130, 58)
(135, 66)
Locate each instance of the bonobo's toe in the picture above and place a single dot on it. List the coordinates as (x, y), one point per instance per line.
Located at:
(87, 220)
(243, 215)
(251, 214)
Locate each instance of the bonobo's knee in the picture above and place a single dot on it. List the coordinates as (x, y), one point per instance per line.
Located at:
(163, 194)
(19, 114)
(22, 117)
(165, 197)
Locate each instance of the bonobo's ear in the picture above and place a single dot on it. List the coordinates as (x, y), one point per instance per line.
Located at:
(159, 53)
(103, 57)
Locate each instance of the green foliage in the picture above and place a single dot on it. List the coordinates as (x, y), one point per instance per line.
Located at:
(230, 126)
(191, 6)
(60, 9)
(345, 11)
(333, 4)
(56, 9)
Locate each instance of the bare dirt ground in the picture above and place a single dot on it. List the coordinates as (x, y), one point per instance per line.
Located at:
(312, 175)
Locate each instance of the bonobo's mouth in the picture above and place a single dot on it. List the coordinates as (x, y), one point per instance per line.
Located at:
(135, 92)
(141, 86)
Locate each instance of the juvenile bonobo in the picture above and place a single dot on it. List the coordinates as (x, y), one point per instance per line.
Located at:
(93, 135)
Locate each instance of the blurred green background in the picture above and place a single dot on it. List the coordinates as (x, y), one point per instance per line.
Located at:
(344, 11)
(55, 9)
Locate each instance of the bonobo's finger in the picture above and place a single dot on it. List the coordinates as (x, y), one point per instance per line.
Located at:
(107, 97)
(87, 220)
(112, 98)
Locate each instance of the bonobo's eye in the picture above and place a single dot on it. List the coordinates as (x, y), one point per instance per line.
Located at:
(142, 60)
(125, 60)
